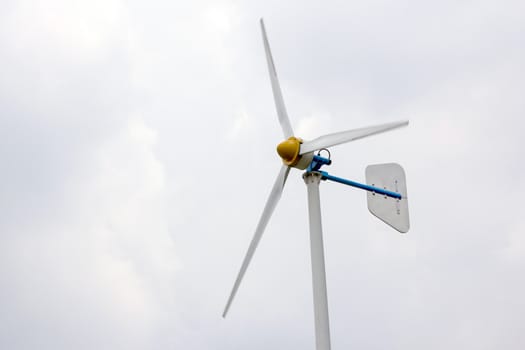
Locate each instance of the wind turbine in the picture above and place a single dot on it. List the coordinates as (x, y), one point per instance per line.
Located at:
(386, 198)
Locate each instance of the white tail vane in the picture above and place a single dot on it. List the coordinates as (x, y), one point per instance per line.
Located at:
(386, 195)
(392, 211)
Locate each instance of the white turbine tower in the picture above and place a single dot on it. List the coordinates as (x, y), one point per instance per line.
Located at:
(386, 186)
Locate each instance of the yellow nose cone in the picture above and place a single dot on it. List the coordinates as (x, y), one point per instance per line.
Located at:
(288, 150)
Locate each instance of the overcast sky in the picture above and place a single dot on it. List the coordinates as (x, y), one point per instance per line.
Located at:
(137, 149)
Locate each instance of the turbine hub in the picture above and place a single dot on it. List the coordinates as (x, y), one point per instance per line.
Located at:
(288, 150)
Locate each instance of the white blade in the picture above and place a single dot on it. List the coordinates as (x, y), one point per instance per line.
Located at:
(271, 203)
(347, 136)
(277, 94)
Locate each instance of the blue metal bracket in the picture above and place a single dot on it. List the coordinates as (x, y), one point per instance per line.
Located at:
(319, 161)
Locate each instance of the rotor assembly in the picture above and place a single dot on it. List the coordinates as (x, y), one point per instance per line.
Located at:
(386, 187)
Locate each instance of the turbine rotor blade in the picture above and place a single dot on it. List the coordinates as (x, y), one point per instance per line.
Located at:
(271, 203)
(277, 94)
(347, 136)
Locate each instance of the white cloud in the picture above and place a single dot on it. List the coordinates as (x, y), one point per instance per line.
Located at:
(107, 254)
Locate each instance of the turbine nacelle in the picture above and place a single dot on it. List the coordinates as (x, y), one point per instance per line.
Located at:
(290, 152)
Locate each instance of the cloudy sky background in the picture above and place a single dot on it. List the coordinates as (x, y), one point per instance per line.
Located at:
(137, 149)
